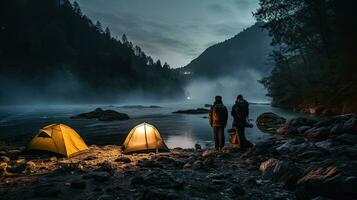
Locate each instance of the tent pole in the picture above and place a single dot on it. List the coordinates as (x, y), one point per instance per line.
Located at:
(146, 139)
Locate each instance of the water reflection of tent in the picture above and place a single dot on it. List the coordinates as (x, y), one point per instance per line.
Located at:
(144, 138)
(58, 138)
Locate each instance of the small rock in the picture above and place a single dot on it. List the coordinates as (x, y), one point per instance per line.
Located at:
(287, 130)
(208, 153)
(187, 166)
(3, 166)
(301, 130)
(53, 159)
(30, 167)
(317, 133)
(123, 159)
(90, 158)
(4, 159)
(3, 153)
(20, 161)
(71, 167)
(197, 165)
(106, 166)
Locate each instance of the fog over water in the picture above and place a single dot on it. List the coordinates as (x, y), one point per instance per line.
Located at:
(245, 83)
(19, 123)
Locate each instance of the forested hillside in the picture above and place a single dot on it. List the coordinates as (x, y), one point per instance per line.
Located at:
(50, 49)
(315, 58)
(249, 49)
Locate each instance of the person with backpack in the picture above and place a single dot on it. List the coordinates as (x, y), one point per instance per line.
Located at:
(218, 117)
(240, 113)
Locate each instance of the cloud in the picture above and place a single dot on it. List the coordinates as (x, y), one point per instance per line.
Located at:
(173, 32)
(248, 5)
(218, 8)
(155, 36)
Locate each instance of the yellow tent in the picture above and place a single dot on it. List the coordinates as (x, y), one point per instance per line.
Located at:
(58, 138)
(144, 138)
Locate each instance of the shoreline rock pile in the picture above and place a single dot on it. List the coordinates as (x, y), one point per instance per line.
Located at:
(313, 158)
(193, 111)
(102, 115)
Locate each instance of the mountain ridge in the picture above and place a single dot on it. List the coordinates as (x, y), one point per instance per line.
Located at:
(248, 49)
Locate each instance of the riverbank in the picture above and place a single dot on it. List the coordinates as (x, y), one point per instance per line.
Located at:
(105, 173)
(308, 158)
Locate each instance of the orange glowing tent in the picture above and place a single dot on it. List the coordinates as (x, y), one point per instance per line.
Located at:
(144, 138)
(58, 138)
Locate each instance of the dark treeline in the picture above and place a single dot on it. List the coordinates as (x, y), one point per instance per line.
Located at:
(44, 39)
(315, 65)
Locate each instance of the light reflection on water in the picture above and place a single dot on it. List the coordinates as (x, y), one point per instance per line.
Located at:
(19, 123)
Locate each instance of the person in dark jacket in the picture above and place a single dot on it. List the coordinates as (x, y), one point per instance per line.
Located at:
(240, 113)
(218, 117)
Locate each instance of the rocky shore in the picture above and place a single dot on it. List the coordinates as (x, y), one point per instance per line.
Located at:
(105, 173)
(307, 159)
(312, 157)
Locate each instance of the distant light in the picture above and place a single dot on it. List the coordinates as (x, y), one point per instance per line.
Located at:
(187, 72)
(188, 98)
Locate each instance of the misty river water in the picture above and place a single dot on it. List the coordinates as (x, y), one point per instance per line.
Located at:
(18, 124)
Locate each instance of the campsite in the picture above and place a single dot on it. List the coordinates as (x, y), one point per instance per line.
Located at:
(179, 99)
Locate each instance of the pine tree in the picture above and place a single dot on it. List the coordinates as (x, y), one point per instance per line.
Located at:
(99, 27)
(124, 39)
(77, 9)
(166, 66)
(107, 33)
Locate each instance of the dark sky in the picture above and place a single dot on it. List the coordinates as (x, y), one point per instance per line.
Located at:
(175, 31)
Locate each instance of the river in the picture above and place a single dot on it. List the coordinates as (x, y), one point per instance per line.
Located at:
(18, 124)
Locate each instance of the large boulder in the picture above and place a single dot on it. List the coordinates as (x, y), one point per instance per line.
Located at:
(319, 133)
(287, 130)
(351, 125)
(102, 115)
(269, 122)
(302, 121)
(327, 182)
(280, 171)
(345, 138)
